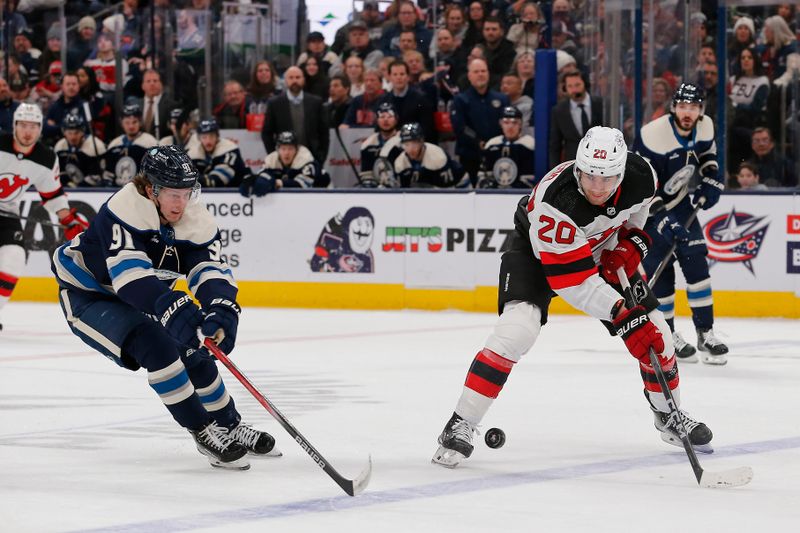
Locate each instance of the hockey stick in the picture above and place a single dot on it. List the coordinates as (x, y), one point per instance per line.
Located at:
(347, 155)
(668, 257)
(350, 486)
(33, 220)
(734, 477)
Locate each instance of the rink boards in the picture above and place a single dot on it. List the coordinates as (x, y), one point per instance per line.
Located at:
(435, 250)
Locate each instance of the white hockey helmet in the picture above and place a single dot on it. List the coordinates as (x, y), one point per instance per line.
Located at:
(601, 152)
(28, 113)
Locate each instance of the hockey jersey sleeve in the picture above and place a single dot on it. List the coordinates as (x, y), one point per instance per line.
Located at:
(567, 261)
(207, 273)
(48, 184)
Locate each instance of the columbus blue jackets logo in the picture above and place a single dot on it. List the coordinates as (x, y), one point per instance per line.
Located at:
(344, 245)
(735, 237)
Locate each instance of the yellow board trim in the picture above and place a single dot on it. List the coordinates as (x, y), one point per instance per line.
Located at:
(395, 296)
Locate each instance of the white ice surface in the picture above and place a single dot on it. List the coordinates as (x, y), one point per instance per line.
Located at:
(87, 446)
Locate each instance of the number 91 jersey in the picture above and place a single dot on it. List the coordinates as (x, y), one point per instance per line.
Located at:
(567, 233)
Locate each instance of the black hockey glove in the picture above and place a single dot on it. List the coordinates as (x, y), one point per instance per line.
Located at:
(710, 189)
(669, 227)
(257, 184)
(180, 316)
(221, 323)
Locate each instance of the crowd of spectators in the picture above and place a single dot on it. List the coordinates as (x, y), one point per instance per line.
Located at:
(450, 67)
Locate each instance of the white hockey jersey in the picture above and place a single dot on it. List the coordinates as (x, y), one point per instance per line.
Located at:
(19, 171)
(567, 233)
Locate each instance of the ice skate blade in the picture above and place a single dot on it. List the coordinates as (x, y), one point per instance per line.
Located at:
(447, 458)
(238, 464)
(274, 453)
(714, 360)
(688, 359)
(735, 477)
(699, 448)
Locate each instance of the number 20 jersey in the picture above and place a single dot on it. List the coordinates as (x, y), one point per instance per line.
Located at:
(568, 233)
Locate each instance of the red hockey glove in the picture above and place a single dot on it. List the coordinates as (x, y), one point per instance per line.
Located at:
(74, 223)
(639, 333)
(631, 249)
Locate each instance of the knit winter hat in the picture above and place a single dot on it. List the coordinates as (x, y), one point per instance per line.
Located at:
(745, 21)
(87, 22)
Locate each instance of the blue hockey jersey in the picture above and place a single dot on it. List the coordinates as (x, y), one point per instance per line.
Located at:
(128, 253)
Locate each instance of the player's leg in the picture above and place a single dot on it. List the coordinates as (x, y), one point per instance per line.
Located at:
(699, 434)
(664, 289)
(693, 262)
(132, 340)
(523, 300)
(211, 390)
(12, 258)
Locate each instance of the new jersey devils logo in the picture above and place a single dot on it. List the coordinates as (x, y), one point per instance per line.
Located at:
(12, 186)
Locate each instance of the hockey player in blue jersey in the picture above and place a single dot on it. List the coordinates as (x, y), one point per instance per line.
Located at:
(219, 160)
(507, 160)
(79, 155)
(116, 285)
(124, 152)
(424, 165)
(379, 150)
(679, 146)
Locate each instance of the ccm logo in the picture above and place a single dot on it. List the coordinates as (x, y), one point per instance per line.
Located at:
(793, 224)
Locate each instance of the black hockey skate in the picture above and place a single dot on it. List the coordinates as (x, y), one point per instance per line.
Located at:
(713, 349)
(257, 442)
(684, 351)
(699, 434)
(455, 442)
(222, 451)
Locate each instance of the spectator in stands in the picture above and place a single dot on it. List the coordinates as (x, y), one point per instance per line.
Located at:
(316, 47)
(362, 109)
(354, 70)
(524, 67)
(446, 52)
(79, 154)
(774, 169)
(748, 178)
(709, 74)
(780, 42)
(511, 86)
(563, 12)
(218, 160)
(476, 14)
(475, 116)
(78, 49)
(423, 164)
(102, 120)
(749, 91)
(182, 124)
(128, 25)
(298, 112)
(572, 117)
(103, 62)
(406, 42)
(407, 19)
(232, 112)
(410, 104)
(660, 99)
(52, 52)
(290, 165)
(126, 151)
(416, 66)
(359, 45)
(526, 34)
(27, 55)
(338, 100)
(744, 31)
(69, 102)
(48, 88)
(22, 92)
(191, 39)
(455, 23)
(316, 80)
(263, 84)
(563, 39)
(498, 50)
(156, 105)
(7, 107)
(373, 21)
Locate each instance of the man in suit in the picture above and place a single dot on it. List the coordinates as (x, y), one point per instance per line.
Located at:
(299, 112)
(572, 117)
(156, 105)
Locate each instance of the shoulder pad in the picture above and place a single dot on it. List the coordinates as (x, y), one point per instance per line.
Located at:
(88, 146)
(494, 141)
(116, 141)
(302, 158)
(271, 161)
(391, 144)
(434, 158)
(145, 140)
(527, 141)
(705, 129)
(224, 146)
(61, 145)
(370, 141)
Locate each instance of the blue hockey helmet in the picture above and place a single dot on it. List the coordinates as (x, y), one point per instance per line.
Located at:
(511, 111)
(688, 92)
(132, 110)
(170, 167)
(73, 122)
(286, 137)
(411, 132)
(208, 125)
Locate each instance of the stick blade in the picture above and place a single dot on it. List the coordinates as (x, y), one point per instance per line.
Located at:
(360, 483)
(735, 477)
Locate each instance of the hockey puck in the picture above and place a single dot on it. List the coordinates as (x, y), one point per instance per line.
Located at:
(495, 438)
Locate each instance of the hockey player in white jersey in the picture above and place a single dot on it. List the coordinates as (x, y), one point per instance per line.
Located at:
(679, 146)
(116, 288)
(580, 224)
(24, 161)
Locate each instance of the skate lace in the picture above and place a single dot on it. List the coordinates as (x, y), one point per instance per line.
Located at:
(245, 434)
(678, 340)
(463, 430)
(710, 338)
(688, 422)
(215, 436)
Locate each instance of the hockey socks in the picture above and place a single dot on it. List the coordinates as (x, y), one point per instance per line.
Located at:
(212, 392)
(652, 387)
(485, 379)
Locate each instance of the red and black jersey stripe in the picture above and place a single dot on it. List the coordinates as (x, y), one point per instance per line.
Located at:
(47, 196)
(488, 373)
(670, 373)
(568, 269)
(7, 284)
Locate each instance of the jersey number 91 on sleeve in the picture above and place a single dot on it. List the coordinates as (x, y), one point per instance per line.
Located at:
(564, 231)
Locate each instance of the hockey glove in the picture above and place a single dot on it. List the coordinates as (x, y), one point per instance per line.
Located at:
(74, 223)
(221, 323)
(639, 333)
(257, 184)
(180, 316)
(630, 251)
(710, 189)
(669, 227)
